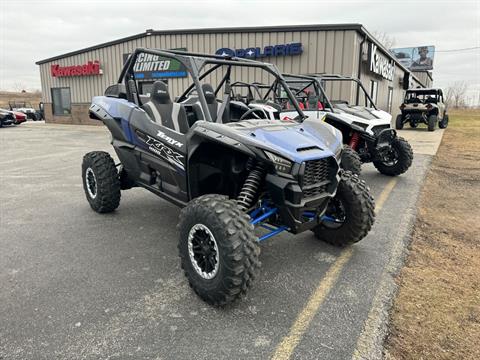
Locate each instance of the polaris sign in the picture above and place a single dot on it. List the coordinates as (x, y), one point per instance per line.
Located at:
(266, 51)
(380, 64)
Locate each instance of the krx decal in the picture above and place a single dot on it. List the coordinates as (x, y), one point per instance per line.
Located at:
(164, 152)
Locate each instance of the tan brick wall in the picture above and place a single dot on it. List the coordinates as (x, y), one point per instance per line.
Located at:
(79, 116)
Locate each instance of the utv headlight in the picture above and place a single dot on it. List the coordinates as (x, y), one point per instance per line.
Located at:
(281, 164)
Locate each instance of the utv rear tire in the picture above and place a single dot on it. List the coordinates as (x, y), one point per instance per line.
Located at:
(432, 122)
(351, 160)
(227, 241)
(404, 154)
(444, 122)
(100, 181)
(354, 196)
(399, 122)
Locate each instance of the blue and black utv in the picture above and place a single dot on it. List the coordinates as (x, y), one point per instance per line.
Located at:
(239, 180)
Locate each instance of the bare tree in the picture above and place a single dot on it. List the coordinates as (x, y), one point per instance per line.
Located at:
(18, 86)
(455, 94)
(386, 40)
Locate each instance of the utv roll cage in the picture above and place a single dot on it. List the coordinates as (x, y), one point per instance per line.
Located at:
(426, 96)
(252, 89)
(305, 81)
(195, 64)
(336, 77)
(19, 104)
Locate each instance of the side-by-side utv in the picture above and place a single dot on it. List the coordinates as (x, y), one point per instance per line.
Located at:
(239, 179)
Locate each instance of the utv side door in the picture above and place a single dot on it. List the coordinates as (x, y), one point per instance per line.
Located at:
(162, 153)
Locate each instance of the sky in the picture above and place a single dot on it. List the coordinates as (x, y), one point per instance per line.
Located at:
(37, 29)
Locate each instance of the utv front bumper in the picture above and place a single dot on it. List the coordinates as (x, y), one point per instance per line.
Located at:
(308, 191)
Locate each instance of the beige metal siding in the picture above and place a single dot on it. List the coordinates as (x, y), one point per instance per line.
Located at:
(383, 84)
(323, 51)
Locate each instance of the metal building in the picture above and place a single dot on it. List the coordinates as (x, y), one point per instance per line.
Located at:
(69, 81)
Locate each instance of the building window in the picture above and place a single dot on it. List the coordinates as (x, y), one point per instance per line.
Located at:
(390, 99)
(373, 90)
(61, 101)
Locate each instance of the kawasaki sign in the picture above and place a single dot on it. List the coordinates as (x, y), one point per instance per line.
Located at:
(380, 64)
(149, 66)
(90, 68)
(266, 51)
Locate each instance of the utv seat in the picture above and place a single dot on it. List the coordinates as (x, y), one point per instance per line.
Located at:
(212, 105)
(211, 100)
(162, 111)
(314, 103)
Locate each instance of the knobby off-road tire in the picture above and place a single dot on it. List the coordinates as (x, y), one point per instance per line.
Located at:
(444, 122)
(351, 160)
(399, 122)
(432, 122)
(404, 154)
(233, 240)
(100, 181)
(359, 206)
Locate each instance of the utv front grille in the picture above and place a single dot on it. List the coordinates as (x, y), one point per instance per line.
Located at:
(316, 171)
(314, 191)
(317, 176)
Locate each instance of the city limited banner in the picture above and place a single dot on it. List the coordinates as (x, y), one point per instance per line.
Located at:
(149, 66)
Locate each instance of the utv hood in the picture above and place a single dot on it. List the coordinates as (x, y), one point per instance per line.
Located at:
(297, 142)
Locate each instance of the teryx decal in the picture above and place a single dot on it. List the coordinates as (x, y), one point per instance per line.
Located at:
(165, 152)
(168, 139)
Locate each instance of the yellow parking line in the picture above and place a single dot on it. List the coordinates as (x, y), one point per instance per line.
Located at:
(384, 194)
(288, 344)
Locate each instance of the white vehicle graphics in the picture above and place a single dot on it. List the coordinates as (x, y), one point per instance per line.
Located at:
(165, 152)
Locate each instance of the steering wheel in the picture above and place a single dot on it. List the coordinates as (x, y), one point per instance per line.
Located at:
(252, 111)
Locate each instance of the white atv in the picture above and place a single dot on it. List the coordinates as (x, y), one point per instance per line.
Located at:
(24, 107)
(367, 133)
(423, 106)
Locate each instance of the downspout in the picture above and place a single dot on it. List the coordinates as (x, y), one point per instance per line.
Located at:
(360, 67)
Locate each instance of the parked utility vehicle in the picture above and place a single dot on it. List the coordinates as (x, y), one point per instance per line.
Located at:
(24, 107)
(363, 106)
(367, 134)
(423, 106)
(228, 175)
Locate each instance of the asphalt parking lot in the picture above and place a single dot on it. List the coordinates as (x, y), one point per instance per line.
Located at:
(78, 285)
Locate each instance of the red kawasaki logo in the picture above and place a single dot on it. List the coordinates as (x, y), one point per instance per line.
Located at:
(90, 68)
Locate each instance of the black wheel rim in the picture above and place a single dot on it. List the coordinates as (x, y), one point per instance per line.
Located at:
(203, 251)
(390, 158)
(91, 182)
